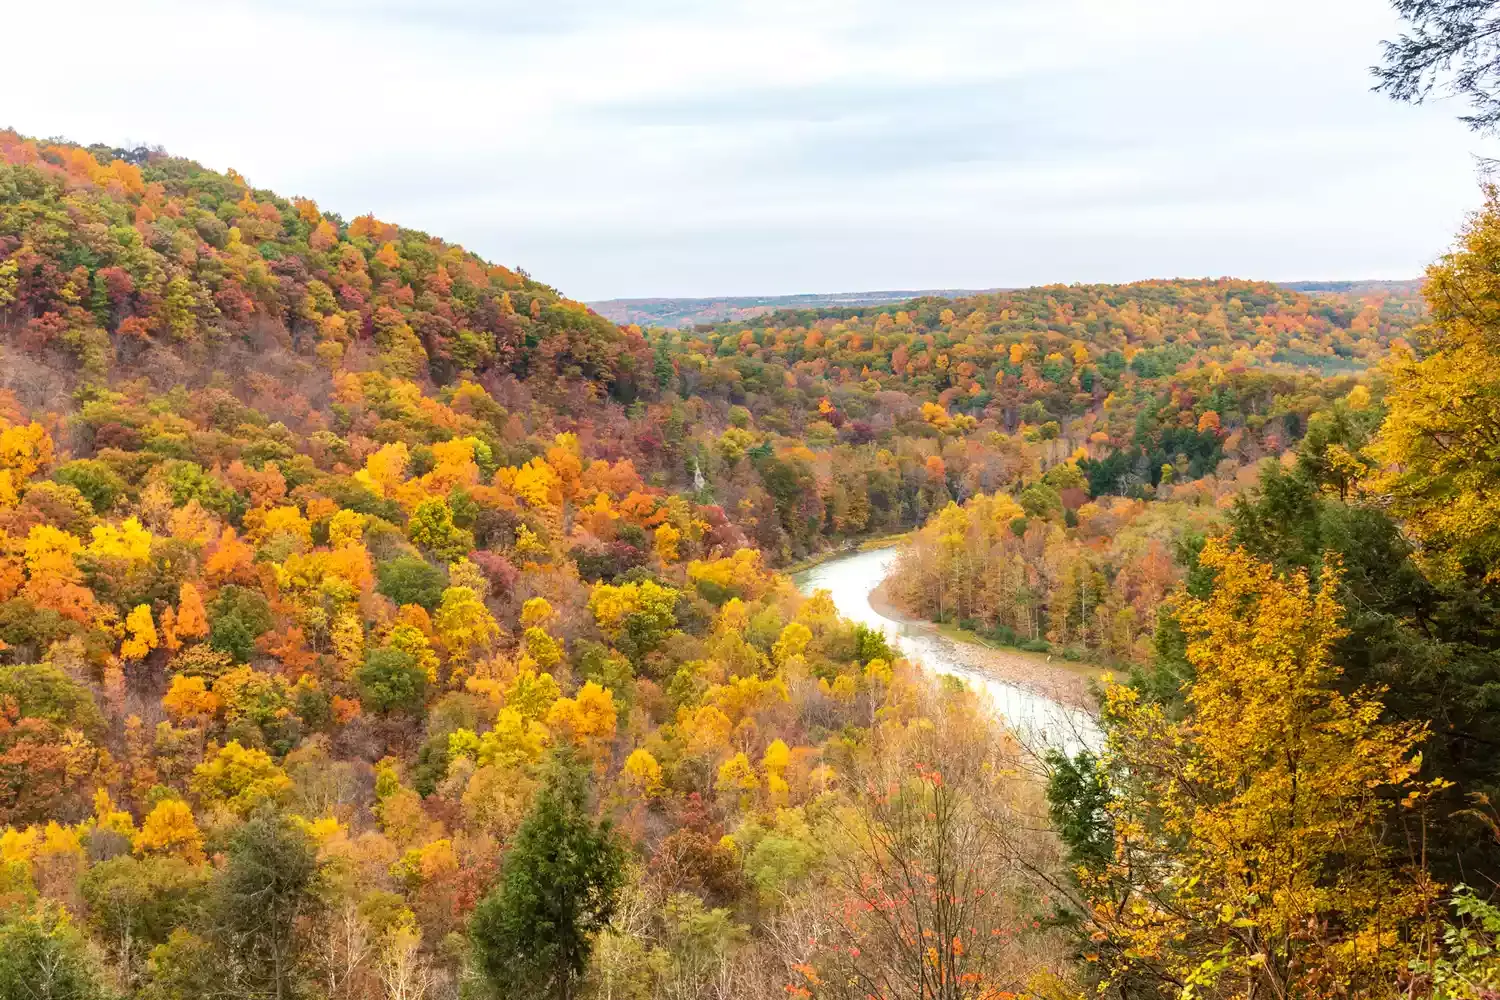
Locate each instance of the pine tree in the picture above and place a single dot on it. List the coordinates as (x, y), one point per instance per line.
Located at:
(532, 933)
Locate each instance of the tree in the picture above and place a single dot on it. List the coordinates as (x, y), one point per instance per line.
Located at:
(410, 580)
(1247, 849)
(269, 884)
(1430, 646)
(927, 865)
(1440, 443)
(43, 957)
(240, 779)
(637, 617)
(240, 616)
(464, 624)
(433, 529)
(137, 903)
(391, 680)
(642, 773)
(1452, 46)
(99, 483)
(192, 619)
(142, 638)
(588, 719)
(169, 829)
(532, 934)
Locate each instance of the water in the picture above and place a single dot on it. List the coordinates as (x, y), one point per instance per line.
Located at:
(1035, 717)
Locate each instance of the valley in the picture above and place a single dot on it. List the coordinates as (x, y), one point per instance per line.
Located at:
(378, 622)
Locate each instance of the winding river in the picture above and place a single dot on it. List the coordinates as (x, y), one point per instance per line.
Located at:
(1037, 719)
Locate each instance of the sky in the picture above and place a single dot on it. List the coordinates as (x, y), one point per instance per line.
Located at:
(634, 148)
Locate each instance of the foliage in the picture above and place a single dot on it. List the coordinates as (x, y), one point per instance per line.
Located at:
(43, 955)
(533, 934)
(1438, 442)
(391, 680)
(409, 580)
(318, 535)
(269, 886)
(1247, 850)
(1450, 49)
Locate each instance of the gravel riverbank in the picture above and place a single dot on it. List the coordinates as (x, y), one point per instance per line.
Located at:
(1064, 682)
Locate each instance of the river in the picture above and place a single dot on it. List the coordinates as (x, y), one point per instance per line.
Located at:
(1036, 718)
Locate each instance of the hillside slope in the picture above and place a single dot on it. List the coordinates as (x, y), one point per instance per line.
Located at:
(110, 255)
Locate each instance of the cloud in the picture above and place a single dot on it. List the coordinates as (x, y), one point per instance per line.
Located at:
(646, 147)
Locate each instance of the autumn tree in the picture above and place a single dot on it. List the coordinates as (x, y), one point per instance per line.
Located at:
(1247, 838)
(169, 829)
(1439, 441)
(637, 617)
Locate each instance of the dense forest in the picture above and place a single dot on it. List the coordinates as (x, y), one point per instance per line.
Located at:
(375, 622)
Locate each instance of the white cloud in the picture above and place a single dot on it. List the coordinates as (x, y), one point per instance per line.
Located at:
(646, 147)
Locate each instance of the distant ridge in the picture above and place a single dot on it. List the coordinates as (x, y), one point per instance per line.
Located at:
(666, 312)
(674, 313)
(1354, 287)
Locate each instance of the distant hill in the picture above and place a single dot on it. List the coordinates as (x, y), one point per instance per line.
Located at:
(676, 313)
(1366, 287)
(680, 313)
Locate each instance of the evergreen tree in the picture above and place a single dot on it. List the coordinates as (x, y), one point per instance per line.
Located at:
(269, 884)
(533, 933)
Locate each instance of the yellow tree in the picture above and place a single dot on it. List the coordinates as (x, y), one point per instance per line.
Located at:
(1440, 442)
(666, 540)
(587, 720)
(24, 451)
(188, 698)
(169, 829)
(737, 777)
(464, 624)
(1248, 855)
(642, 773)
(239, 779)
(777, 758)
(514, 741)
(141, 637)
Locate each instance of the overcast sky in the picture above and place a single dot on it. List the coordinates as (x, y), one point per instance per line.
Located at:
(710, 147)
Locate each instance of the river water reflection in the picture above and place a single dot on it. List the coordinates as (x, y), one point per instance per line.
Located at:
(850, 579)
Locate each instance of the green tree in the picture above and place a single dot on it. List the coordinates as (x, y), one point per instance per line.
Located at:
(390, 680)
(1040, 500)
(239, 616)
(100, 484)
(1452, 48)
(410, 580)
(533, 933)
(269, 884)
(42, 691)
(136, 904)
(43, 957)
(1077, 800)
(662, 368)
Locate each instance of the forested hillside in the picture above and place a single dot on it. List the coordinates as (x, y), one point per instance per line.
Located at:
(677, 313)
(376, 622)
